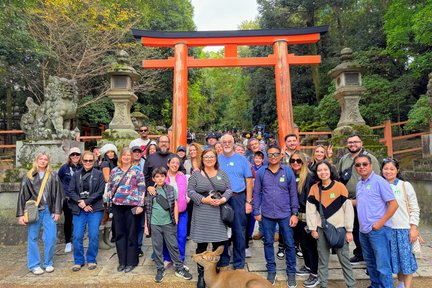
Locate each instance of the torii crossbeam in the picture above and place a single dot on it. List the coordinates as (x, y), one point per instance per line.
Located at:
(281, 60)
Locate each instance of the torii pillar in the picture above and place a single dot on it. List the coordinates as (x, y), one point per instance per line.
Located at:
(280, 60)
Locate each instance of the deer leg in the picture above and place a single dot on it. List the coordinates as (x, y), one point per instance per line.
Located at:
(200, 283)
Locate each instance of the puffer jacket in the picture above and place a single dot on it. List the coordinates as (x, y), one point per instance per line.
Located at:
(53, 191)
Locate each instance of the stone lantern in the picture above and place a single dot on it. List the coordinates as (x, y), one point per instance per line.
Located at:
(121, 92)
(348, 89)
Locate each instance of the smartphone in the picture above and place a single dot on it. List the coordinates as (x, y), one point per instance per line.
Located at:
(133, 210)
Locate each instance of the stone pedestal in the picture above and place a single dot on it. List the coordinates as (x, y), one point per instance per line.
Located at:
(26, 151)
(349, 98)
(123, 101)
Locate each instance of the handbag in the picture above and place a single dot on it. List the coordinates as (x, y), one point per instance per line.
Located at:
(227, 212)
(163, 202)
(31, 207)
(335, 236)
(416, 245)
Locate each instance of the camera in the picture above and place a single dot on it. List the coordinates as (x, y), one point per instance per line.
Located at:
(215, 194)
(84, 194)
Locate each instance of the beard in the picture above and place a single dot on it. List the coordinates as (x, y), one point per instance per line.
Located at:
(353, 151)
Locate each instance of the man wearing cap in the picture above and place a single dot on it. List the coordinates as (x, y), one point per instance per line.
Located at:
(181, 152)
(211, 139)
(137, 159)
(143, 141)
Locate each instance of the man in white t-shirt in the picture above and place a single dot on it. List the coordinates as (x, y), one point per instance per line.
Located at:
(143, 141)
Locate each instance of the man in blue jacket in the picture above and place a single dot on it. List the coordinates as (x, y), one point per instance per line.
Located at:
(275, 201)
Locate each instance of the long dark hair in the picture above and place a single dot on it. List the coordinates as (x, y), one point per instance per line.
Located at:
(333, 175)
(112, 163)
(395, 163)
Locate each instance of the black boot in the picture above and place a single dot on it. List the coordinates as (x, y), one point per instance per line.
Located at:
(200, 282)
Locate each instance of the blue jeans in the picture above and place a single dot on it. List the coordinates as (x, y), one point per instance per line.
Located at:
(80, 222)
(287, 233)
(181, 237)
(376, 253)
(49, 238)
(237, 202)
(141, 231)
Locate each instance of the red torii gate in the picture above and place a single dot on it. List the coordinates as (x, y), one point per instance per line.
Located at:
(281, 60)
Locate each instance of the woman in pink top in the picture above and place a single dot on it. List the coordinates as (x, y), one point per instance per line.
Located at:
(178, 180)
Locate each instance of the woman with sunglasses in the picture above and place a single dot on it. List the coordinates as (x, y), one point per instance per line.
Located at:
(338, 210)
(65, 174)
(405, 222)
(308, 244)
(207, 226)
(86, 191)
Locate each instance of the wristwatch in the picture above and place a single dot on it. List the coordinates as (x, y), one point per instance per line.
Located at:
(249, 201)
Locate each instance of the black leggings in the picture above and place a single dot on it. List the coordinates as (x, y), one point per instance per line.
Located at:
(67, 227)
(201, 247)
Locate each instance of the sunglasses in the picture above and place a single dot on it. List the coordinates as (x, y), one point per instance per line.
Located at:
(298, 161)
(143, 130)
(271, 155)
(75, 154)
(388, 160)
(87, 160)
(364, 164)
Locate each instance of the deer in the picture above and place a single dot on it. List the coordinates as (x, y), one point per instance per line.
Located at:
(227, 278)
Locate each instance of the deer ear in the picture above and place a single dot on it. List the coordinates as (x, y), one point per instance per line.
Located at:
(219, 250)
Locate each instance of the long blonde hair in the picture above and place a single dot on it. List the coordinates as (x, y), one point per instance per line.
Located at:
(303, 171)
(35, 165)
(199, 154)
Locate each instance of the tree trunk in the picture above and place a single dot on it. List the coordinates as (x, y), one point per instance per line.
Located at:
(9, 115)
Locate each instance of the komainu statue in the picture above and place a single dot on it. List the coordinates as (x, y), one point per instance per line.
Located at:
(51, 119)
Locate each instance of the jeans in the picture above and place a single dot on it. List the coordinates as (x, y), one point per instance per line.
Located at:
(181, 237)
(49, 238)
(376, 253)
(237, 202)
(80, 221)
(141, 231)
(287, 232)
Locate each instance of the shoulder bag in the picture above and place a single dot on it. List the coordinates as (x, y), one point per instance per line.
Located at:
(416, 245)
(31, 208)
(335, 236)
(109, 206)
(227, 212)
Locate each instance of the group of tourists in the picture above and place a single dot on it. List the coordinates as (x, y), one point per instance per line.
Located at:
(146, 190)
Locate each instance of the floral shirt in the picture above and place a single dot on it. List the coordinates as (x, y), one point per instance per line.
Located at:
(131, 190)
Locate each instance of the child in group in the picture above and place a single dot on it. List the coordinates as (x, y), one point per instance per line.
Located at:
(162, 212)
(258, 160)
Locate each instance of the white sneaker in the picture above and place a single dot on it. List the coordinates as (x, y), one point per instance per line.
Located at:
(37, 271)
(68, 247)
(248, 253)
(49, 269)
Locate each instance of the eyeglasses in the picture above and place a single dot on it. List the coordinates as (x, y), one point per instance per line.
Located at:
(87, 160)
(209, 157)
(353, 142)
(298, 161)
(143, 130)
(364, 164)
(75, 154)
(271, 155)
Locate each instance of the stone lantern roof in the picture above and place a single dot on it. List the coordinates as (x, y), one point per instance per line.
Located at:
(347, 64)
(123, 67)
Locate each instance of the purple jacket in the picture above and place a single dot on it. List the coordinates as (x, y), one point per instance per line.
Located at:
(275, 195)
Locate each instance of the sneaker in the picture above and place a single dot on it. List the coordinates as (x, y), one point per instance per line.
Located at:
(312, 281)
(159, 275)
(37, 271)
(356, 260)
(281, 253)
(140, 253)
(68, 247)
(186, 267)
(299, 253)
(49, 269)
(257, 236)
(291, 281)
(271, 277)
(303, 271)
(182, 273)
(248, 253)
